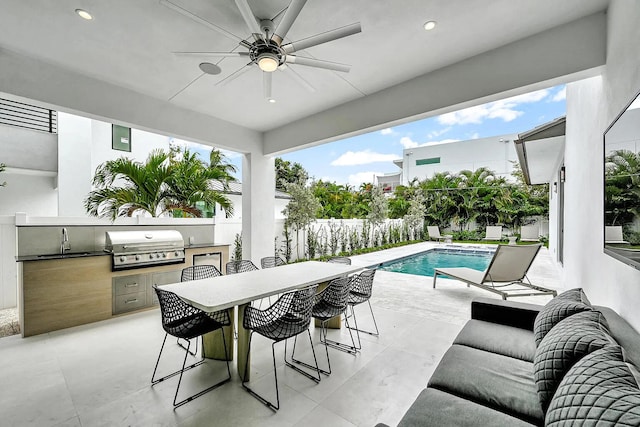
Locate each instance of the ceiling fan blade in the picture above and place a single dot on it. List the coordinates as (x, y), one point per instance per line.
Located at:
(336, 34)
(214, 54)
(249, 19)
(267, 79)
(287, 20)
(300, 60)
(297, 77)
(204, 22)
(231, 77)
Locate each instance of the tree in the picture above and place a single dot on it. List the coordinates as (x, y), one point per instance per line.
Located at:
(379, 207)
(301, 210)
(191, 181)
(414, 219)
(165, 182)
(622, 187)
(287, 173)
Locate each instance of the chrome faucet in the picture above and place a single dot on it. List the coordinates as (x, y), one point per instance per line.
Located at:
(64, 244)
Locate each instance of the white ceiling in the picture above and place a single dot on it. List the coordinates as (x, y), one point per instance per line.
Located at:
(129, 45)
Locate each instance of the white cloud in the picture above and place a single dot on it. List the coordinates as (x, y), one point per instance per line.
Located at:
(407, 142)
(352, 158)
(476, 135)
(504, 109)
(386, 131)
(437, 133)
(361, 177)
(561, 95)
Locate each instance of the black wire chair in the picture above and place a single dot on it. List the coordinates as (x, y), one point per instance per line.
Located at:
(271, 261)
(288, 317)
(182, 320)
(240, 266)
(329, 303)
(196, 272)
(340, 260)
(361, 289)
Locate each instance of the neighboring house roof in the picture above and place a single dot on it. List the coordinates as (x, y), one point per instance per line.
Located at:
(540, 149)
(236, 188)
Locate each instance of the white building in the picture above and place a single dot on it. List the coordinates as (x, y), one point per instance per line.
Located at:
(496, 153)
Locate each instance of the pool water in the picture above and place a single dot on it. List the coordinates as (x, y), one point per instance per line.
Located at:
(423, 264)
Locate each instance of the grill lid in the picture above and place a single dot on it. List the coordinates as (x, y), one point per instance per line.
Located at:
(126, 242)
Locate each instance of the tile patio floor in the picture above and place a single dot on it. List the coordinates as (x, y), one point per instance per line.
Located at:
(99, 374)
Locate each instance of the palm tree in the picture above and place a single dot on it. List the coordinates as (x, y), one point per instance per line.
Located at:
(191, 182)
(167, 181)
(141, 187)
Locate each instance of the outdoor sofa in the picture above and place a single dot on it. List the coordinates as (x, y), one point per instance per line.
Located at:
(517, 364)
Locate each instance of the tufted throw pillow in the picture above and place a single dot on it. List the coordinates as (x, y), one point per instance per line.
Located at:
(599, 390)
(566, 343)
(564, 305)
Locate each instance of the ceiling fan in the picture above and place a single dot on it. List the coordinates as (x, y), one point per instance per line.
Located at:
(266, 48)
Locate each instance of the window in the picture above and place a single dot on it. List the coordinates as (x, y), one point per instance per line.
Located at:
(121, 138)
(431, 161)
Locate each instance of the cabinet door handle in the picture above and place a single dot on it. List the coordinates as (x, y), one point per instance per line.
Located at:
(131, 285)
(131, 301)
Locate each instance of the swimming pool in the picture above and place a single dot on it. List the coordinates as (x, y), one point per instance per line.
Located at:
(423, 263)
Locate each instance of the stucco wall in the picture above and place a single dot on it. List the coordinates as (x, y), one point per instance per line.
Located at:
(591, 105)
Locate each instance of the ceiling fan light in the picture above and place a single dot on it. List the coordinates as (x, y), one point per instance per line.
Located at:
(271, 100)
(429, 25)
(268, 62)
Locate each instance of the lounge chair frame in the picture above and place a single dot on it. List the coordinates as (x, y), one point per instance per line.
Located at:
(517, 286)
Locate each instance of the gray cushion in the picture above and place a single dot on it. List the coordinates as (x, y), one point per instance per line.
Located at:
(568, 341)
(564, 305)
(493, 380)
(497, 338)
(598, 390)
(437, 408)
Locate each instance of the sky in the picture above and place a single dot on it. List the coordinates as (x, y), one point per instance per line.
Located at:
(356, 160)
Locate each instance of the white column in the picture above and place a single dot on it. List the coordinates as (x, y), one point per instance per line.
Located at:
(258, 203)
(74, 164)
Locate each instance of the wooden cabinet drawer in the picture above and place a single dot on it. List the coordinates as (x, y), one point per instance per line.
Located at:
(129, 302)
(132, 284)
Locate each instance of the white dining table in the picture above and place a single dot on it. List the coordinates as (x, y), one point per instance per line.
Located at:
(239, 290)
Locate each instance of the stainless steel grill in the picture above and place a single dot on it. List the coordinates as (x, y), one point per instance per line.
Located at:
(144, 248)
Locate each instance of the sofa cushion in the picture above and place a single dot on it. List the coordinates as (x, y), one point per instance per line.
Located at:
(438, 408)
(565, 344)
(496, 338)
(564, 305)
(598, 390)
(489, 379)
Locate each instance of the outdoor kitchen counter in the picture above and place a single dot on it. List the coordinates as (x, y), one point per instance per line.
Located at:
(60, 291)
(60, 256)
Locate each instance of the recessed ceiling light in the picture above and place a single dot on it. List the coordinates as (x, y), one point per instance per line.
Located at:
(84, 14)
(271, 100)
(429, 25)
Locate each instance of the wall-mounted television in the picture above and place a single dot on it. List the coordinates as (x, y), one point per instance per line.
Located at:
(622, 185)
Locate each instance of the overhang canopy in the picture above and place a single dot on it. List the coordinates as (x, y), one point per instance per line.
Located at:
(540, 151)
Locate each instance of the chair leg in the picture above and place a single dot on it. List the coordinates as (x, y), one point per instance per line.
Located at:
(376, 333)
(275, 373)
(312, 367)
(351, 349)
(194, 352)
(186, 368)
(323, 332)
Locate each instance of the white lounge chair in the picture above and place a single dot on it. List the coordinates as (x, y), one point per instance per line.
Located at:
(434, 233)
(505, 275)
(613, 235)
(530, 233)
(494, 232)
